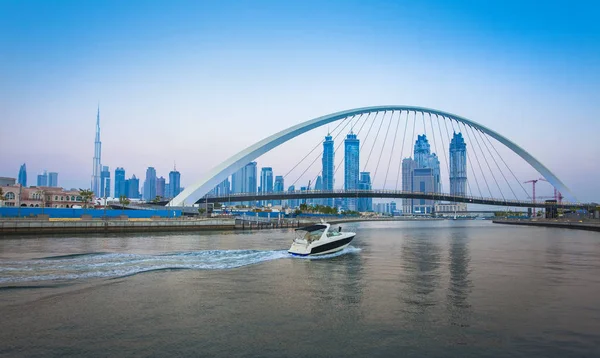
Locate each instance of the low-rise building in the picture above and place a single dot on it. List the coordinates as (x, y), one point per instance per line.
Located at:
(42, 196)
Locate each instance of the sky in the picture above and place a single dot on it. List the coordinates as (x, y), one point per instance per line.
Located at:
(193, 82)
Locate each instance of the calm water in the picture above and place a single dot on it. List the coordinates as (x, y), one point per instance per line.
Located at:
(413, 289)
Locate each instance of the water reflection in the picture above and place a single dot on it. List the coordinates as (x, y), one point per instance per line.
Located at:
(459, 285)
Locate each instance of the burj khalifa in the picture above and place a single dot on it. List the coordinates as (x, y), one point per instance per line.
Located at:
(97, 168)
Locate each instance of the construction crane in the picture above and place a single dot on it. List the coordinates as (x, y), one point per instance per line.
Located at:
(533, 181)
(557, 195)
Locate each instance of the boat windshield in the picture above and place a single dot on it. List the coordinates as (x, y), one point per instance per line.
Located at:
(309, 236)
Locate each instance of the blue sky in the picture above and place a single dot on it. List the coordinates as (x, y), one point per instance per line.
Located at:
(195, 82)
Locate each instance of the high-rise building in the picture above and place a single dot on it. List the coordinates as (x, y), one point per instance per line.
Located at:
(160, 187)
(319, 187)
(53, 179)
(244, 180)
(97, 166)
(408, 166)
(458, 165)
(223, 188)
(23, 175)
(133, 187)
(351, 167)
(292, 203)
(174, 183)
(266, 182)
(150, 184)
(42, 179)
(120, 183)
(421, 175)
(278, 187)
(104, 182)
(364, 183)
(328, 167)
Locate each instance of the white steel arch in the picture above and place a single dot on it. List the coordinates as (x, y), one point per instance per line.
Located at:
(219, 173)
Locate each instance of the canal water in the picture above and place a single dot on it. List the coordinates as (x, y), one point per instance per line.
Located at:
(410, 289)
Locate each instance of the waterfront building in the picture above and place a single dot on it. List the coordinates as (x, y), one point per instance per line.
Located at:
(42, 179)
(160, 187)
(97, 166)
(266, 183)
(278, 187)
(133, 187)
(150, 184)
(36, 197)
(224, 188)
(328, 167)
(174, 183)
(303, 200)
(4, 181)
(104, 182)
(364, 183)
(53, 179)
(408, 165)
(22, 179)
(458, 165)
(120, 183)
(351, 168)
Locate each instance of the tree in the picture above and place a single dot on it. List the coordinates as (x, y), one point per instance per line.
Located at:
(201, 211)
(157, 199)
(86, 195)
(123, 200)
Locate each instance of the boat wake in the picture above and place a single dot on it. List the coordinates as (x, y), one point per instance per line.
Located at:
(115, 265)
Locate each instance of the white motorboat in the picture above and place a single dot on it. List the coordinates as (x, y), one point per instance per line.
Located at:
(319, 240)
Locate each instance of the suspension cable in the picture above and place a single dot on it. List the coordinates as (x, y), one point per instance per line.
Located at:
(477, 159)
(382, 148)
(513, 174)
(393, 145)
(488, 164)
(375, 141)
(495, 162)
(317, 146)
(402, 148)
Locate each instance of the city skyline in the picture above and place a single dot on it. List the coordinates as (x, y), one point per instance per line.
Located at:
(543, 66)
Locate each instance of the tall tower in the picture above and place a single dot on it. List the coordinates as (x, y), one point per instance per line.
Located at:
(23, 175)
(328, 170)
(458, 165)
(97, 167)
(351, 164)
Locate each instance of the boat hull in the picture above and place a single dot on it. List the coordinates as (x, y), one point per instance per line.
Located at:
(322, 249)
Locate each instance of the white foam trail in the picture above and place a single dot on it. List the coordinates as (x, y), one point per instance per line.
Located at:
(107, 265)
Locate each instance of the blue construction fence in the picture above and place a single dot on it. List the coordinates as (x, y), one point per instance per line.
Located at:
(274, 215)
(12, 212)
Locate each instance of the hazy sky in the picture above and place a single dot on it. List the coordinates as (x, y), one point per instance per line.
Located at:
(197, 81)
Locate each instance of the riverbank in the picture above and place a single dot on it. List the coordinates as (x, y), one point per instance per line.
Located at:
(565, 224)
(69, 226)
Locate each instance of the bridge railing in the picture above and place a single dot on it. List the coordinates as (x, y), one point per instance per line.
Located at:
(281, 195)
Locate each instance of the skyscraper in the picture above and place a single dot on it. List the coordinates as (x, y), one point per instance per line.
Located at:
(150, 184)
(120, 183)
(278, 187)
(328, 167)
(458, 165)
(42, 179)
(133, 187)
(351, 167)
(23, 175)
(174, 183)
(97, 167)
(53, 179)
(160, 187)
(421, 175)
(364, 183)
(244, 180)
(319, 186)
(292, 203)
(266, 182)
(104, 182)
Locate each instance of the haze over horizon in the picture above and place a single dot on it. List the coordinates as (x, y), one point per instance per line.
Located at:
(196, 82)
